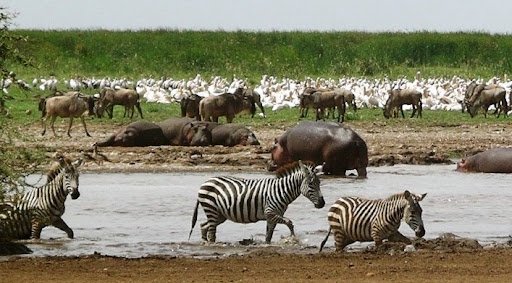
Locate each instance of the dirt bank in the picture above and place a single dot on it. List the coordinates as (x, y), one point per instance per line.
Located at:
(387, 145)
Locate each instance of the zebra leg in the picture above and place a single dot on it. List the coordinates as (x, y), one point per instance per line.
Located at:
(270, 232)
(398, 237)
(340, 241)
(59, 223)
(272, 220)
(36, 230)
(204, 231)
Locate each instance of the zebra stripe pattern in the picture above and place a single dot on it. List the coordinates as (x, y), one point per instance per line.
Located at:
(251, 200)
(356, 219)
(42, 206)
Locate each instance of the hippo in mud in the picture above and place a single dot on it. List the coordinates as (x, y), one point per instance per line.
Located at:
(496, 160)
(140, 133)
(186, 131)
(334, 145)
(232, 135)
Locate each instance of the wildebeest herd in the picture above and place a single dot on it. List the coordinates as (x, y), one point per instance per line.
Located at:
(298, 156)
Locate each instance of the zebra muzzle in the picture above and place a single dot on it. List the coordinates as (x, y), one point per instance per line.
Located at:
(75, 194)
(321, 203)
(420, 232)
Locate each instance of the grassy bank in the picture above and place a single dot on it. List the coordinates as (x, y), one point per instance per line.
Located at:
(182, 54)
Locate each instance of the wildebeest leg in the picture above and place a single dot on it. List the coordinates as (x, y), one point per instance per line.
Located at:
(43, 122)
(137, 104)
(51, 124)
(413, 110)
(70, 124)
(59, 223)
(110, 110)
(85, 127)
(402, 111)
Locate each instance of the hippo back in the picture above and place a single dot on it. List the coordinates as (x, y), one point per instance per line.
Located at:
(336, 146)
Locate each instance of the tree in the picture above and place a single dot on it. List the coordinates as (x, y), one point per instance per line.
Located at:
(13, 160)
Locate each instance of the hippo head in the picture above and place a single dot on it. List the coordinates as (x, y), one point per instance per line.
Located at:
(462, 165)
(245, 137)
(279, 154)
(126, 138)
(199, 135)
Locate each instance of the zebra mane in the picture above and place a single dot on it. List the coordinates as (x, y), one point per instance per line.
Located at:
(57, 167)
(396, 196)
(287, 169)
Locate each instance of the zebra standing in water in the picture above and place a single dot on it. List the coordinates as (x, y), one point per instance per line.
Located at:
(42, 206)
(251, 200)
(356, 219)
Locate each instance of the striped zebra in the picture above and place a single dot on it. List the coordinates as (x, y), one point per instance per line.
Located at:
(42, 206)
(356, 219)
(251, 200)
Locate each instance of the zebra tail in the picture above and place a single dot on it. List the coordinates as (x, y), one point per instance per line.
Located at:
(325, 240)
(194, 220)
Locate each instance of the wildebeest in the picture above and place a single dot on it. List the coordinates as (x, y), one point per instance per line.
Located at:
(399, 97)
(109, 97)
(251, 93)
(485, 96)
(333, 98)
(348, 95)
(190, 106)
(226, 104)
(72, 104)
(330, 100)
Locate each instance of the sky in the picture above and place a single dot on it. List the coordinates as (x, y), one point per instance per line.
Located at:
(491, 16)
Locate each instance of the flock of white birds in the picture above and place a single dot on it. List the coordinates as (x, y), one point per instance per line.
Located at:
(278, 93)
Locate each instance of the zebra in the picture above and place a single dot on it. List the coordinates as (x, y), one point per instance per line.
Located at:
(356, 219)
(251, 200)
(42, 206)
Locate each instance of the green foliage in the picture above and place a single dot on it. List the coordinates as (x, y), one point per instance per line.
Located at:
(183, 54)
(15, 162)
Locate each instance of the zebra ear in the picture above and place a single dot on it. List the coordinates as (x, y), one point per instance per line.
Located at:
(319, 169)
(422, 196)
(407, 194)
(78, 162)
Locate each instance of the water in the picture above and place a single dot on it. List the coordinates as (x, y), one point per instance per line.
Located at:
(136, 215)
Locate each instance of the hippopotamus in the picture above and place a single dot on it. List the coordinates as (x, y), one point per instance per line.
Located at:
(334, 145)
(232, 135)
(186, 131)
(140, 133)
(496, 160)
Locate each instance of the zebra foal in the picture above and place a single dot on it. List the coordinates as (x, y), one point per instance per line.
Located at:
(251, 200)
(356, 219)
(42, 206)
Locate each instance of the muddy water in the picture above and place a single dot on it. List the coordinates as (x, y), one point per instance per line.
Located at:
(135, 215)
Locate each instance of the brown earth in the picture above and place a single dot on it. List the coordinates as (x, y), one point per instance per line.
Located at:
(443, 259)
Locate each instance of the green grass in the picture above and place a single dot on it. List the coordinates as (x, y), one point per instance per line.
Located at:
(183, 54)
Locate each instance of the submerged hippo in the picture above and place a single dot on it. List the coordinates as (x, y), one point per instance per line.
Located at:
(496, 160)
(232, 135)
(186, 131)
(338, 147)
(140, 133)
